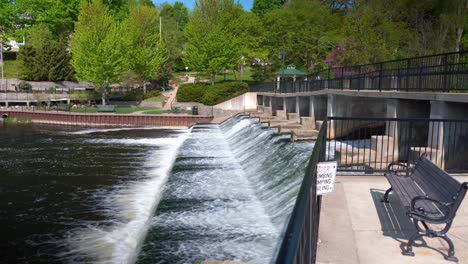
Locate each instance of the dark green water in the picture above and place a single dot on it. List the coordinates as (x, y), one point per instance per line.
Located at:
(56, 185)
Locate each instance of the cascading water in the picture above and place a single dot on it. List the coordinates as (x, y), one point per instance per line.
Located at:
(231, 191)
(146, 195)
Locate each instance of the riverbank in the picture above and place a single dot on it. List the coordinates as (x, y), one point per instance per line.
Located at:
(107, 120)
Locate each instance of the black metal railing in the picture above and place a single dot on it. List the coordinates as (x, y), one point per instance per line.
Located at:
(446, 72)
(299, 244)
(371, 144)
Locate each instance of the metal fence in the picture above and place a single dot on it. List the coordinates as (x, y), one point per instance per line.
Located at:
(371, 144)
(446, 72)
(299, 244)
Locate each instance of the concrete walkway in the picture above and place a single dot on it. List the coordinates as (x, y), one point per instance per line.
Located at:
(355, 227)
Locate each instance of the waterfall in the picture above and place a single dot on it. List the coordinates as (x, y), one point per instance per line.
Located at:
(230, 194)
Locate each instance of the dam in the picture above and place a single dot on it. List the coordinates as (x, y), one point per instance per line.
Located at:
(105, 195)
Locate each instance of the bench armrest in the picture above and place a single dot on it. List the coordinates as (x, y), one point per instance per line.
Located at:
(391, 168)
(419, 214)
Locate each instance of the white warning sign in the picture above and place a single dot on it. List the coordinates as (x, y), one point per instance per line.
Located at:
(326, 172)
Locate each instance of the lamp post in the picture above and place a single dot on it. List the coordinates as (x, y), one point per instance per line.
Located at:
(281, 56)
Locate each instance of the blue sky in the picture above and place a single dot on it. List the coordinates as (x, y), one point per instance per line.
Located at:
(247, 4)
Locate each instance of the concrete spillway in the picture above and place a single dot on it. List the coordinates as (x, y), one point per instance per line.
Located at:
(230, 193)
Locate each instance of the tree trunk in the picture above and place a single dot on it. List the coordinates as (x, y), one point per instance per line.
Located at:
(241, 77)
(144, 86)
(104, 93)
(103, 96)
(213, 78)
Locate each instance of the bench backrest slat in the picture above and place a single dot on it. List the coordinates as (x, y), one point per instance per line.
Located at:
(435, 182)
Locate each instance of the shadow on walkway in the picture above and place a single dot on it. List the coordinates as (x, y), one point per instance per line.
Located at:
(394, 221)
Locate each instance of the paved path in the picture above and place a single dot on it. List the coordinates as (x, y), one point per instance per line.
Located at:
(173, 94)
(355, 227)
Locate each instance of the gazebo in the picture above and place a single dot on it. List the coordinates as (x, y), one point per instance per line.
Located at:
(290, 72)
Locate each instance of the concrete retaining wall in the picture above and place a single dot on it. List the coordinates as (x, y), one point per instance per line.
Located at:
(242, 103)
(110, 119)
(239, 104)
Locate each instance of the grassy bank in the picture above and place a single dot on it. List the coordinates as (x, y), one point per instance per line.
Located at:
(11, 68)
(17, 120)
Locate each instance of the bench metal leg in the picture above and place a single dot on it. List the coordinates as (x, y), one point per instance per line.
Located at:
(385, 198)
(451, 251)
(408, 251)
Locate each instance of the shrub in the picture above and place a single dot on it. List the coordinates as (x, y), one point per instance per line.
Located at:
(24, 86)
(151, 93)
(210, 94)
(191, 92)
(224, 91)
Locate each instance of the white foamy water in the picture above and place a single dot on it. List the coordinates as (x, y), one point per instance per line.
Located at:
(230, 194)
(131, 205)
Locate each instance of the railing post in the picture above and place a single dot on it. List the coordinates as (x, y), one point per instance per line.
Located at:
(407, 74)
(359, 78)
(380, 76)
(408, 147)
(445, 82)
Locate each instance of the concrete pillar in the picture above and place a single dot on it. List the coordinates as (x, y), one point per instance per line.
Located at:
(68, 101)
(285, 105)
(436, 131)
(331, 104)
(27, 103)
(331, 111)
(312, 108)
(6, 103)
(391, 127)
(394, 83)
(298, 109)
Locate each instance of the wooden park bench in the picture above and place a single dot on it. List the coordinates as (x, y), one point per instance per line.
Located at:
(429, 195)
(105, 108)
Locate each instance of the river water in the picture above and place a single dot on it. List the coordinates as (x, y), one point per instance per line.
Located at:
(74, 195)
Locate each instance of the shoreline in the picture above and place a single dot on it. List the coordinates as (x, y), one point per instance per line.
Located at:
(107, 119)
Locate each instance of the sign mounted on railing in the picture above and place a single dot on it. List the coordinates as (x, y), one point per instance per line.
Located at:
(326, 173)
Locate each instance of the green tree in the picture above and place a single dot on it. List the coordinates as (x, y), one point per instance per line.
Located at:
(58, 15)
(373, 33)
(248, 28)
(174, 19)
(97, 47)
(305, 30)
(210, 46)
(44, 57)
(261, 7)
(147, 52)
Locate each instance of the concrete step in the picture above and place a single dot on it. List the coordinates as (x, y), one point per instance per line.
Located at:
(434, 154)
(304, 134)
(308, 122)
(294, 117)
(278, 123)
(356, 156)
(281, 114)
(266, 119)
(258, 115)
(385, 145)
(288, 128)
